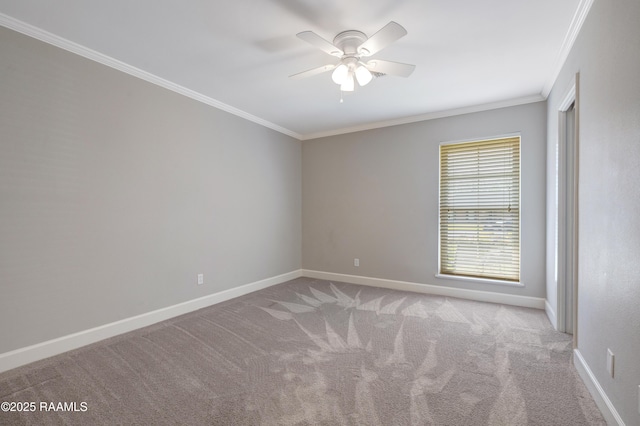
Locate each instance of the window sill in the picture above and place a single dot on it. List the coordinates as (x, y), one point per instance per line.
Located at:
(480, 280)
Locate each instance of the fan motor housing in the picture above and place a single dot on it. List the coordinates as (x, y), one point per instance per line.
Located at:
(348, 41)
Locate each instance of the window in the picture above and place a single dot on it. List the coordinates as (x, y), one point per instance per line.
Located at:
(480, 209)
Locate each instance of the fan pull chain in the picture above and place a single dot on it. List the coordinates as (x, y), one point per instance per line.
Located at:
(341, 100)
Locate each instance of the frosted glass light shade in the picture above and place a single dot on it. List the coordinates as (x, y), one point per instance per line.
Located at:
(363, 75)
(340, 74)
(349, 84)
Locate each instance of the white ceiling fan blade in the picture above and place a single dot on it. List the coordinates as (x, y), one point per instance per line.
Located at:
(322, 44)
(387, 35)
(391, 68)
(312, 72)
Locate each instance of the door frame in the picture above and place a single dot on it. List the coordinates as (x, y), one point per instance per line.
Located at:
(567, 225)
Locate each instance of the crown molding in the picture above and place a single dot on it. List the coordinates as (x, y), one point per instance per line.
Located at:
(569, 39)
(428, 116)
(47, 37)
(42, 35)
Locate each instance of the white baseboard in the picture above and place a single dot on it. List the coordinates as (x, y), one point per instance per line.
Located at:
(23, 356)
(482, 296)
(600, 397)
(551, 314)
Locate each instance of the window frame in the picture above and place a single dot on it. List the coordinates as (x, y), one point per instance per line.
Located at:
(481, 280)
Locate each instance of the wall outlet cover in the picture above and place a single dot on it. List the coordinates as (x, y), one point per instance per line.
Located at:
(610, 362)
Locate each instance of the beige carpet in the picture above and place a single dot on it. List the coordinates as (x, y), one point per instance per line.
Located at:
(310, 352)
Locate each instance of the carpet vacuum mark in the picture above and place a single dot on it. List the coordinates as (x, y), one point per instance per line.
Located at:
(312, 352)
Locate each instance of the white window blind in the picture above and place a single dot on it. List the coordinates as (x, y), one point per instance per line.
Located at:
(480, 209)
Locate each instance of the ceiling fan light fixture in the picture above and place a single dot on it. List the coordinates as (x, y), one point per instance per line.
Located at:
(352, 46)
(340, 74)
(349, 84)
(363, 75)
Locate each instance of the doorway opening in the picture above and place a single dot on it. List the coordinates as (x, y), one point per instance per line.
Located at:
(567, 214)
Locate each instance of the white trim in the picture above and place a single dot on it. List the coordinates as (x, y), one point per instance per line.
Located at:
(47, 37)
(569, 39)
(481, 296)
(560, 228)
(483, 138)
(428, 116)
(564, 222)
(569, 98)
(22, 356)
(599, 396)
(551, 314)
(480, 280)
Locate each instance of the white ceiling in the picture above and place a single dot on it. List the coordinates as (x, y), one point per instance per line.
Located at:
(238, 54)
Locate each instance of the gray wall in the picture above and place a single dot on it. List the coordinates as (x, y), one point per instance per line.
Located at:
(607, 55)
(373, 195)
(115, 194)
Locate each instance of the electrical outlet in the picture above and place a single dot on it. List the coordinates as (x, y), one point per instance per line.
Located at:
(610, 362)
(200, 279)
(356, 262)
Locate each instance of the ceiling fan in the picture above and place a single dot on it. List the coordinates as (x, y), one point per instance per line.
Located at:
(351, 47)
